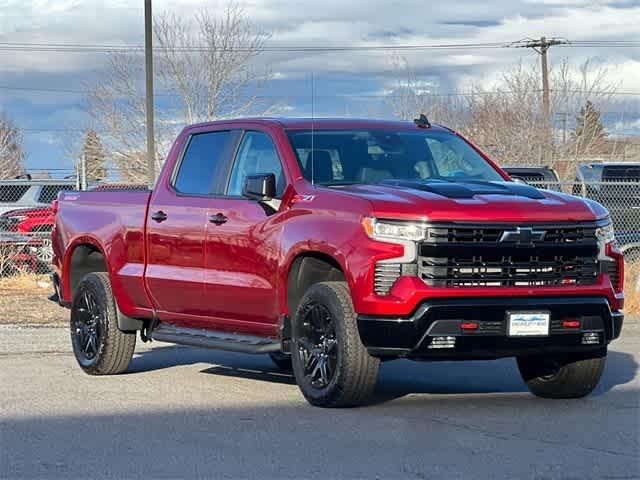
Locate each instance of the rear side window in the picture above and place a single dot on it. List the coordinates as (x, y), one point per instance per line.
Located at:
(12, 193)
(204, 163)
(48, 193)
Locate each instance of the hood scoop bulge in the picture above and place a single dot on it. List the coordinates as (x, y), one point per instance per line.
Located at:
(467, 189)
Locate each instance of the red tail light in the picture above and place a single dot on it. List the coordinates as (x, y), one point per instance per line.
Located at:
(54, 208)
(469, 326)
(571, 324)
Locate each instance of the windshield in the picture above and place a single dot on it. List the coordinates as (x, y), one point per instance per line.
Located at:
(373, 156)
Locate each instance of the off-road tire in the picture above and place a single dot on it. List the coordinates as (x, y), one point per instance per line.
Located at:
(563, 376)
(281, 360)
(114, 348)
(356, 372)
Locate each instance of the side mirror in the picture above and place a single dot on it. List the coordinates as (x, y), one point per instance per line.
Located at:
(261, 187)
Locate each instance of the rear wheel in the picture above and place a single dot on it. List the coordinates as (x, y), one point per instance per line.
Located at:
(562, 376)
(331, 365)
(99, 347)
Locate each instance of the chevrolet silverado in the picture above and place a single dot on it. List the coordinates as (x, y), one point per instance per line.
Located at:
(334, 245)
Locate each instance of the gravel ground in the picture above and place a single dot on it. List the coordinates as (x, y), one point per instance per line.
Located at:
(192, 413)
(24, 300)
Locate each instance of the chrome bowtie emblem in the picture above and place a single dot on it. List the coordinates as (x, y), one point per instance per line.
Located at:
(522, 236)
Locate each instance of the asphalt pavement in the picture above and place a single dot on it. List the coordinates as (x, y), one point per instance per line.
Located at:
(191, 413)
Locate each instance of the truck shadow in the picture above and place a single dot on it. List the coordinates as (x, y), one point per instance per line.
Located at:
(396, 379)
(399, 379)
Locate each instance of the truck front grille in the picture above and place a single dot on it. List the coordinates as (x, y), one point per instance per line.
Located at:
(492, 234)
(467, 256)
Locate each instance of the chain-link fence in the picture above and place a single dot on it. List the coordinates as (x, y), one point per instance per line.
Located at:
(620, 198)
(26, 219)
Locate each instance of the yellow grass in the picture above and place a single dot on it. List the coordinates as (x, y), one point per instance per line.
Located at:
(23, 300)
(632, 288)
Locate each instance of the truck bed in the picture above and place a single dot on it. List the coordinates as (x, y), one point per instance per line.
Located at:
(112, 223)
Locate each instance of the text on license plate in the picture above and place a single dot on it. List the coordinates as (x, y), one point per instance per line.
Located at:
(525, 324)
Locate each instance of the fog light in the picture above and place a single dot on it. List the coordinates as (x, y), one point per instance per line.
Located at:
(443, 342)
(590, 338)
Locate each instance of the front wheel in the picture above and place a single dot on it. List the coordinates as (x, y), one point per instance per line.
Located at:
(562, 376)
(99, 347)
(331, 365)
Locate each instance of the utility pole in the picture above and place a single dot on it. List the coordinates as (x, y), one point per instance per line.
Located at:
(83, 169)
(148, 58)
(542, 47)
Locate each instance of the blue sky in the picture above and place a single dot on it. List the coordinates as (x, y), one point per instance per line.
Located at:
(349, 83)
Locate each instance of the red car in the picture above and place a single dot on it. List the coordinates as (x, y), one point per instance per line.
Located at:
(37, 222)
(338, 244)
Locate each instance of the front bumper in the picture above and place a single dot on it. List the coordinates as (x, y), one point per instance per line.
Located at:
(440, 319)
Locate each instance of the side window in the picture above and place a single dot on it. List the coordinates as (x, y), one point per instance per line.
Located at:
(48, 193)
(257, 154)
(201, 170)
(12, 193)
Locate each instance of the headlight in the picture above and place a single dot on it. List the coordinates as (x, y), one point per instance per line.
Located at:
(605, 234)
(398, 232)
(389, 230)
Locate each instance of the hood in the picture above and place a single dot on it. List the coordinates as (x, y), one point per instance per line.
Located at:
(474, 201)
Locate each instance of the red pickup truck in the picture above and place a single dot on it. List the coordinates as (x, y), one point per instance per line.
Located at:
(334, 245)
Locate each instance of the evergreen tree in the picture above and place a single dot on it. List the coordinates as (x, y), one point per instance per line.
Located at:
(95, 157)
(589, 134)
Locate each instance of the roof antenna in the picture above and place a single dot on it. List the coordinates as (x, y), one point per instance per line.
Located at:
(422, 122)
(313, 116)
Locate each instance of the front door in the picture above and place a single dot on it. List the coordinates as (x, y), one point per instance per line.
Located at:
(242, 245)
(176, 227)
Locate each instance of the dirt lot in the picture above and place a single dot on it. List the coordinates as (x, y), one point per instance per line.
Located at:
(23, 300)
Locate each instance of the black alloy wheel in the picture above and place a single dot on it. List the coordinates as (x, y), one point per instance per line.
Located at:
(98, 345)
(331, 365)
(86, 326)
(317, 345)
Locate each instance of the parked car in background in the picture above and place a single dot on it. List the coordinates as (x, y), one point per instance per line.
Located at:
(19, 254)
(617, 187)
(23, 193)
(36, 221)
(541, 177)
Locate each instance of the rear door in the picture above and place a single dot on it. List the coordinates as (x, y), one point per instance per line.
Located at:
(176, 226)
(243, 250)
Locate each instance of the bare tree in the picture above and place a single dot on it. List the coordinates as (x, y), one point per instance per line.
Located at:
(409, 97)
(11, 150)
(203, 72)
(506, 118)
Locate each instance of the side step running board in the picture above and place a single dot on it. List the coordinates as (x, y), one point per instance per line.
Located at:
(210, 339)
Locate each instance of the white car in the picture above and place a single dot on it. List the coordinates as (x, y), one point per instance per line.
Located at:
(16, 194)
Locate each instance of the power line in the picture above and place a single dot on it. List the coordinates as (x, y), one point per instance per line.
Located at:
(355, 96)
(124, 48)
(95, 48)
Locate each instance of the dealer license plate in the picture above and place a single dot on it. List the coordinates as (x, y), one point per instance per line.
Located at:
(528, 324)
